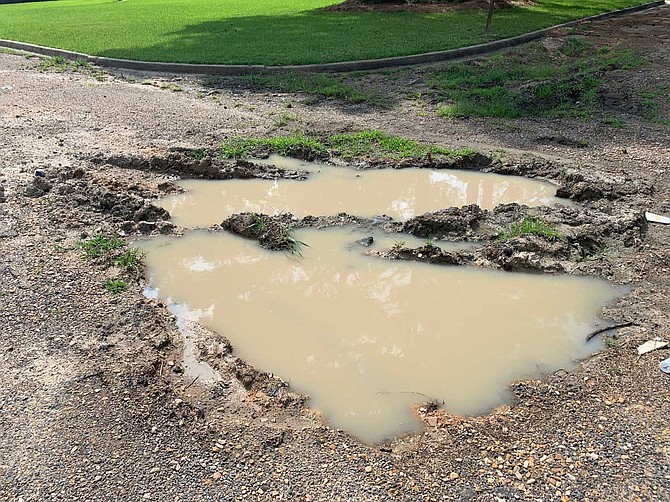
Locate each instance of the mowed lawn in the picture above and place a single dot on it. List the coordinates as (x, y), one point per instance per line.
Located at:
(271, 32)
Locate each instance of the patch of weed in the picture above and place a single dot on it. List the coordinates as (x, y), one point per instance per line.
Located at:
(258, 223)
(531, 225)
(115, 286)
(57, 63)
(131, 259)
(61, 64)
(371, 144)
(292, 145)
(283, 118)
(197, 153)
(529, 82)
(7, 50)
(614, 122)
(319, 85)
(100, 245)
(289, 243)
(653, 101)
(374, 143)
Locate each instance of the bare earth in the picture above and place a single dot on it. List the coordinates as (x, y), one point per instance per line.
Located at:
(91, 407)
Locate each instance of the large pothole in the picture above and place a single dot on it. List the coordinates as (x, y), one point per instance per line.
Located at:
(366, 338)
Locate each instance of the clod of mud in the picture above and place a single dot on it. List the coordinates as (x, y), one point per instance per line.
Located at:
(151, 213)
(207, 167)
(272, 232)
(472, 162)
(527, 253)
(578, 187)
(429, 254)
(264, 386)
(450, 222)
(38, 187)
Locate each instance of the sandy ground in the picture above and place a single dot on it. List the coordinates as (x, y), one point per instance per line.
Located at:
(91, 409)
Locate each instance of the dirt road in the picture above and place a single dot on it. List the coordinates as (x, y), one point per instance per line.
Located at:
(93, 406)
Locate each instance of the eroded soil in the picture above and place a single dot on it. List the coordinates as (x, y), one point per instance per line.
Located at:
(94, 404)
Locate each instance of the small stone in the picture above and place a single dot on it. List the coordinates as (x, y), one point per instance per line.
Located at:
(454, 475)
(217, 475)
(366, 242)
(368, 468)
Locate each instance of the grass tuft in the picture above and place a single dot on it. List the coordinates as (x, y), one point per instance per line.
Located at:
(100, 245)
(531, 225)
(131, 259)
(115, 286)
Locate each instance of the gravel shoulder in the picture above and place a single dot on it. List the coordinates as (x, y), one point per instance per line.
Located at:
(91, 407)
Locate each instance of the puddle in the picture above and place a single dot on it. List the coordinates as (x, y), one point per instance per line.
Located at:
(399, 193)
(365, 337)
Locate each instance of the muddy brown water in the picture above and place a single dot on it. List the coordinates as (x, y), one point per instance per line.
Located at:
(399, 193)
(367, 338)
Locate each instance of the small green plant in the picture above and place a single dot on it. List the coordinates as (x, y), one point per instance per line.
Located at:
(197, 153)
(289, 243)
(100, 245)
(429, 242)
(530, 225)
(611, 341)
(115, 286)
(258, 222)
(398, 245)
(283, 118)
(58, 63)
(131, 259)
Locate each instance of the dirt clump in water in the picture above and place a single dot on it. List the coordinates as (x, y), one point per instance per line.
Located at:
(272, 232)
(451, 222)
(428, 254)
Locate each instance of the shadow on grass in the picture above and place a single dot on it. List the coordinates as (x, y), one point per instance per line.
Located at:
(318, 37)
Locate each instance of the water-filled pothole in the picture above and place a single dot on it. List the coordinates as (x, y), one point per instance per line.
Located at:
(366, 338)
(399, 193)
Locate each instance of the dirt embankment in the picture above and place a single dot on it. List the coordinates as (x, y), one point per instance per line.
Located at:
(94, 403)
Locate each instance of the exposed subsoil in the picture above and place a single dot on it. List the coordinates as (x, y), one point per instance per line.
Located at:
(94, 404)
(421, 6)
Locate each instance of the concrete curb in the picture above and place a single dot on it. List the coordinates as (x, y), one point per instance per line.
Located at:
(341, 67)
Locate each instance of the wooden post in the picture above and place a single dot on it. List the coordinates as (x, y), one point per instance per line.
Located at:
(490, 16)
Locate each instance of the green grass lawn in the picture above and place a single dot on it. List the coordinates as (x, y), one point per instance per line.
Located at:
(266, 31)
